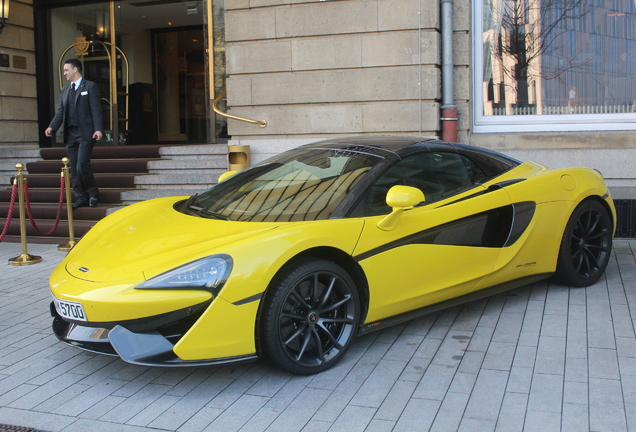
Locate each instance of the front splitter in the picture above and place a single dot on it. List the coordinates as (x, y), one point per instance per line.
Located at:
(144, 349)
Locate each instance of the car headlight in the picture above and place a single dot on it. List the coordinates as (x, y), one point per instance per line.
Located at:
(206, 274)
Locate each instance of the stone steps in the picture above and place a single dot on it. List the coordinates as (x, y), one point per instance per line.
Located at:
(181, 171)
(171, 178)
(193, 151)
(126, 175)
(131, 197)
(188, 165)
(11, 157)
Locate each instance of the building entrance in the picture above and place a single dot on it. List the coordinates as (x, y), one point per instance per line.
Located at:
(150, 60)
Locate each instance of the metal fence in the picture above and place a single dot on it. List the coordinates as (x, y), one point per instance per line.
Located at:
(626, 215)
(559, 110)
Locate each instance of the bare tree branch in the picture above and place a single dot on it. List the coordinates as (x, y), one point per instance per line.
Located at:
(527, 29)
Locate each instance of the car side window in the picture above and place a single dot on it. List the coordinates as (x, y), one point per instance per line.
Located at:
(475, 173)
(437, 174)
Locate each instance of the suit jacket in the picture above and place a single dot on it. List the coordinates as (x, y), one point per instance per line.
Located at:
(87, 109)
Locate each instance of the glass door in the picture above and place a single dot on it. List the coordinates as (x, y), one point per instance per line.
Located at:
(152, 64)
(180, 77)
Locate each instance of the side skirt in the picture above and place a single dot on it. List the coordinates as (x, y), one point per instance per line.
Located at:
(476, 295)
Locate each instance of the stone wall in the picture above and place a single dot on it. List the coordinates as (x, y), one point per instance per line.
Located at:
(462, 52)
(317, 68)
(18, 103)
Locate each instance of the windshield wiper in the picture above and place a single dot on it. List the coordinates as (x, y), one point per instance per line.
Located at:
(186, 204)
(191, 204)
(205, 212)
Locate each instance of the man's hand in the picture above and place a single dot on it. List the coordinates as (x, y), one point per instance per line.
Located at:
(97, 135)
(49, 132)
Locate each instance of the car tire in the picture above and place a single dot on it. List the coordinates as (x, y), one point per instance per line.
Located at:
(586, 245)
(309, 317)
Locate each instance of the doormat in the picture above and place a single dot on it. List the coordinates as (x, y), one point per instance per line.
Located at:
(9, 428)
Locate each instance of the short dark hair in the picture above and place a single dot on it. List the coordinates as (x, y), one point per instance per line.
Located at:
(75, 63)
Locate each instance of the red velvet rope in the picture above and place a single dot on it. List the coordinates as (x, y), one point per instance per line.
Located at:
(59, 209)
(7, 222)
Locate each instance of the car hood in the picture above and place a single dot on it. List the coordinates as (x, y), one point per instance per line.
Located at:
(149, 238)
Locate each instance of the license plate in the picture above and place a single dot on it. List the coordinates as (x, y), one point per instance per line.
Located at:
(71, 310)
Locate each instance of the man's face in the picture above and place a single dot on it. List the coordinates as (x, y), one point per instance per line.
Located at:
(70, 72)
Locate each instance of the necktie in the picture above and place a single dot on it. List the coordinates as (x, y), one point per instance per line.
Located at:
(71, 106)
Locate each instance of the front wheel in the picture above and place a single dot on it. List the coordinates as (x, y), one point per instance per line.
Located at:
(586, 245)
(309, 317)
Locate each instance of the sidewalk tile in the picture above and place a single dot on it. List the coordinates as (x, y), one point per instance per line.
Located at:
(546, 393)
(550, 355)
(353, 419)
(520, 380)
(104, 406)
(513, 412)
(575, 418)
(435, 382)
(380, 426)
(541, 421)
(499, 356)
(487, 396)
(300, 411)
(603, 363)
(418, 415)
(607, 410)
(379, 384)
(237, 414)
(395, 401)
(450, 413)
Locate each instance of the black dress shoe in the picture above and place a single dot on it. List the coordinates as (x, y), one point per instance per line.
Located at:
(92, 202)
(80, 203)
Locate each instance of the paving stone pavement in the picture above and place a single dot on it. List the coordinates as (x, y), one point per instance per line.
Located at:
(540, 358)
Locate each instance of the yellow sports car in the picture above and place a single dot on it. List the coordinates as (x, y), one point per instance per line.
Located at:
(292, 258)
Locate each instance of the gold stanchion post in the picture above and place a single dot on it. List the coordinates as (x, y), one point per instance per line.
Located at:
(25, 258)
(69, 208)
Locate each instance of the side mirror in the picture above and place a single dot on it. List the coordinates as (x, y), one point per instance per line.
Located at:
(400, 198)
(226, 175)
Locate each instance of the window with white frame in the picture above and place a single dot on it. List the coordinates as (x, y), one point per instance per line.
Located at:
(554, 65)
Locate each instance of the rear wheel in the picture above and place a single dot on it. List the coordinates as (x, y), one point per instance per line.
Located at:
(586, 245)
(309, 317)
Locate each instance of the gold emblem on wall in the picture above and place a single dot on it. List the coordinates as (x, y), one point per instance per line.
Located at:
(81, 46)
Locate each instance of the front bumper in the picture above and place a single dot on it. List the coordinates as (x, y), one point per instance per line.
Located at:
(146, 348)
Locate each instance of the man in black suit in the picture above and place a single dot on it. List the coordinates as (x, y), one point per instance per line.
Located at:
(81, 115)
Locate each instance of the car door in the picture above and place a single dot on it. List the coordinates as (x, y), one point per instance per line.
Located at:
(438, 250)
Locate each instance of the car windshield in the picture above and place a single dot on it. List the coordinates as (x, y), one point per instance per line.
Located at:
(299, 185)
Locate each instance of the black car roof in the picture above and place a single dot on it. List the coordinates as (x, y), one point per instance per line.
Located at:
(401, 146)
(391, 144)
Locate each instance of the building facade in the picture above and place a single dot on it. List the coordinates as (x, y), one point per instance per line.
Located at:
(18, 84)
(547, 80)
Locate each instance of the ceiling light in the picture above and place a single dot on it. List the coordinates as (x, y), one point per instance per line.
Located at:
(4, 13)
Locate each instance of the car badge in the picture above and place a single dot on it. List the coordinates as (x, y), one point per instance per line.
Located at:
(84, 269)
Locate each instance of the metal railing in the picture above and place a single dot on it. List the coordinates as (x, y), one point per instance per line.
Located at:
(261, 123)
(568, 109)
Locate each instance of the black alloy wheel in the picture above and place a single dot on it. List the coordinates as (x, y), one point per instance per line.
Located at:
(309, 317)
(586, 245)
